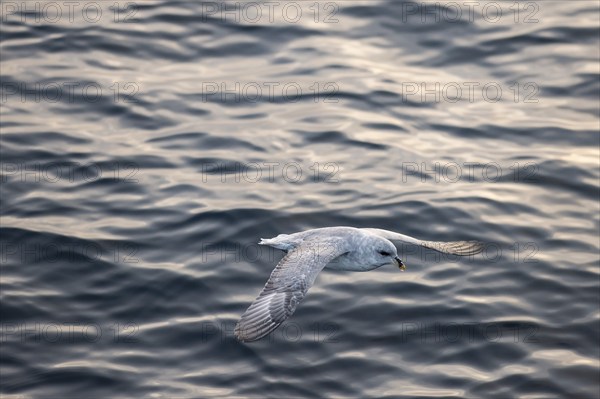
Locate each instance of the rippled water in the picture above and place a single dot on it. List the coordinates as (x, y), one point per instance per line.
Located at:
(147, 147)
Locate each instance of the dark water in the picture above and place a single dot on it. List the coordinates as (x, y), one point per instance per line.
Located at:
(147, 148)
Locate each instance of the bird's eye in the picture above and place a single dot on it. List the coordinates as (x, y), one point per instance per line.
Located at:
(384, 253)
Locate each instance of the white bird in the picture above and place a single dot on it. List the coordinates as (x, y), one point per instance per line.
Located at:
(308, 252)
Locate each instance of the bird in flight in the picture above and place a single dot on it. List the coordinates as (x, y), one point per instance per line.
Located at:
(308, 252)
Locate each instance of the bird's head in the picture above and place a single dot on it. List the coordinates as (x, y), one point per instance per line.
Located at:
(382, 252)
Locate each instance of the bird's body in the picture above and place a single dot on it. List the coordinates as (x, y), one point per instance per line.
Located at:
(355, 240)
(308, 252)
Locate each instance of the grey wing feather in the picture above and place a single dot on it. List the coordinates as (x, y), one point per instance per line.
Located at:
(460, 248)
(286, 287)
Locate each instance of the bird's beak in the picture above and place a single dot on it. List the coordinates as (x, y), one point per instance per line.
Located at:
(401, 265)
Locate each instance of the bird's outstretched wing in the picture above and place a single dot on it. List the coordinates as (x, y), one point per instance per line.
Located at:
(461, 248)
(287, 286)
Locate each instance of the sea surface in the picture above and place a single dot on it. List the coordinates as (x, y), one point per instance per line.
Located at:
(147, 146)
